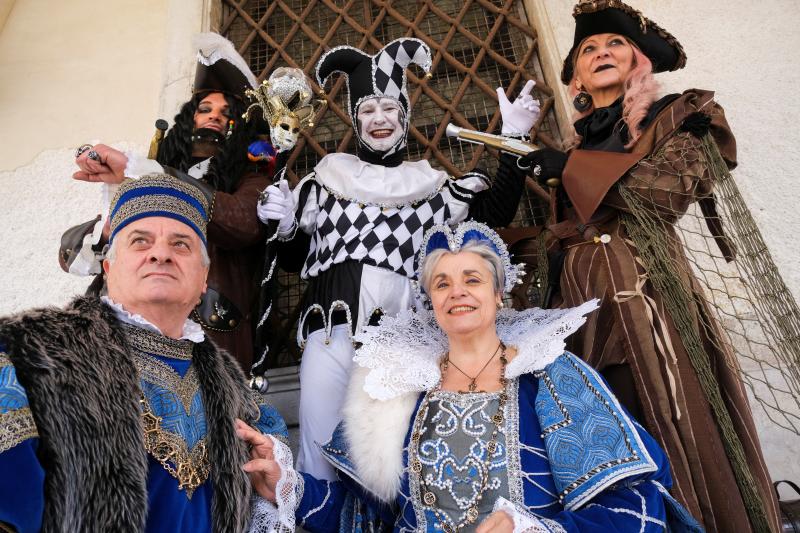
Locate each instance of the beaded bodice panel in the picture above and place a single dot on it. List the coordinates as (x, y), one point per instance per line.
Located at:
(173, 417)
(454, 456)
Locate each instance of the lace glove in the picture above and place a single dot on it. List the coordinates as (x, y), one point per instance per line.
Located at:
(277, 203)
(519, 116)
(546, 163)
(525, 522)
(268, 517)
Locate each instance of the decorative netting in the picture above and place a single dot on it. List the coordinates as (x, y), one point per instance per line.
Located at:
(477, 45)
(718, 279)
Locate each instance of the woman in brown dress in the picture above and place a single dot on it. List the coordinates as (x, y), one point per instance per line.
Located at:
(637, 165)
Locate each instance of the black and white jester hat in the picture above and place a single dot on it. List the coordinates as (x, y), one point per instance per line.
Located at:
(220, 68)
(382, 75)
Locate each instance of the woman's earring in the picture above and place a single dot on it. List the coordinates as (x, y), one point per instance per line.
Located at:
(582, 102)
(500, 305)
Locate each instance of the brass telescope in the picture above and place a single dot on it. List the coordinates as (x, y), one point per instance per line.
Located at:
(505, 144)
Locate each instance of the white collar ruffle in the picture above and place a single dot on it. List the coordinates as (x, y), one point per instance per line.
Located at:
(402, 354)
(351, 178)
(192, 331)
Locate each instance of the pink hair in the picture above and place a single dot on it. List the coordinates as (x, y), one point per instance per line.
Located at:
(640, 91)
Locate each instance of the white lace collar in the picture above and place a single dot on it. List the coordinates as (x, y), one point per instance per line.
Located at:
(403, 353)
(348, 177)
(192, 331)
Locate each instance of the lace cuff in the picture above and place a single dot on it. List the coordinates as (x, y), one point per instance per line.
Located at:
(524, 522)
(267, 516)
(138, 166)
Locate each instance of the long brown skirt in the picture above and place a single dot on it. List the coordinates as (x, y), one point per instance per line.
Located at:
(630, 336)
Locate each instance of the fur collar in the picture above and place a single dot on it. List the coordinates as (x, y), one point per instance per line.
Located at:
(375, 431)
(400, 359)
(84, 394)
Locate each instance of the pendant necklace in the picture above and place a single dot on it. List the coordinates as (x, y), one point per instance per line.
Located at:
(473, 380)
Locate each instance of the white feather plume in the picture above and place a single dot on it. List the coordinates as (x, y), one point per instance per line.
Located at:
(211, 47)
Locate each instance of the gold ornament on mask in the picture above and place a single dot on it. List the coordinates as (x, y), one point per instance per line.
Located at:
(286, 104)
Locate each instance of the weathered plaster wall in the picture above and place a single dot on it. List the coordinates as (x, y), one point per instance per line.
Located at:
(746, 52)
(75, 72)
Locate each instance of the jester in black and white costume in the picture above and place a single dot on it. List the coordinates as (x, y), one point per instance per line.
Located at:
(365, 216)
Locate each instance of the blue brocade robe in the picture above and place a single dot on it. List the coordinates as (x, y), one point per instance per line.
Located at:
(170, 388)
(574, 459)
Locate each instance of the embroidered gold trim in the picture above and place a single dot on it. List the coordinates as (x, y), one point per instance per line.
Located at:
(153, 343)
(160, 202)
(16, 427)
(191, 468)
(159, 373)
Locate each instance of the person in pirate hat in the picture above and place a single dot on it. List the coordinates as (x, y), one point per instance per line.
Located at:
(208, 147)
(118, 413)
(639, 163)
(365, 215)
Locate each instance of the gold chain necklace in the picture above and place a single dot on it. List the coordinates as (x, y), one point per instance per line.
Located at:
(428, 496)
(472, 384)
(164, 447)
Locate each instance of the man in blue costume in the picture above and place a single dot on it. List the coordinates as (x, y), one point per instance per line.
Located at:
(117, 413)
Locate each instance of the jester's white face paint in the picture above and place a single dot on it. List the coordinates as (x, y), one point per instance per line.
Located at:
(380, 123)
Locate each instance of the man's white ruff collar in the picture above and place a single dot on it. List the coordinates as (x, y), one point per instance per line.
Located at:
(192, 331)
(402, 354)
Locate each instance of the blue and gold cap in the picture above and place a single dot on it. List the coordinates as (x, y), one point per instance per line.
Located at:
(159, 195)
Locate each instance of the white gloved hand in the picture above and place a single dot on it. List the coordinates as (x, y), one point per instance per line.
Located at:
(519, 116)
(278, 205)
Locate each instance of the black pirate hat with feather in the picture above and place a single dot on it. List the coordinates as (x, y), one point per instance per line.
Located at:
(380, 75)
(220, 68)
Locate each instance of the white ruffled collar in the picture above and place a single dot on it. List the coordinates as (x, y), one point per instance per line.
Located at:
(192, 331)
(402, 355)
(351, 178)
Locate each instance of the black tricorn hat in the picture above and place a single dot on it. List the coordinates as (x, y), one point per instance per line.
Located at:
(220, 68)
(614, 16)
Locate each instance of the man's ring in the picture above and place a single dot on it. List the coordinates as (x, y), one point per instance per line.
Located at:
(82, 148)
(94, 156)
(537, 170)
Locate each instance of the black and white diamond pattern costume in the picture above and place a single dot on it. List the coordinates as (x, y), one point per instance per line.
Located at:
(377, 229)
(359, 222)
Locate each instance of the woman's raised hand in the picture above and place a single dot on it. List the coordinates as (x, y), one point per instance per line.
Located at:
(262, 468)
(102, 164)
